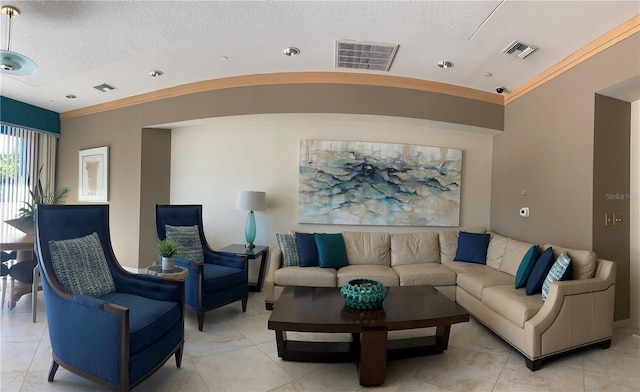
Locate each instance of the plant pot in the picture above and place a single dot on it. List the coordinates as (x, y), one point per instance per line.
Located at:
(167, 264)
(25, 226)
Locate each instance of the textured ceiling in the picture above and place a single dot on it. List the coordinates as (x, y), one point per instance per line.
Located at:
(80, 44)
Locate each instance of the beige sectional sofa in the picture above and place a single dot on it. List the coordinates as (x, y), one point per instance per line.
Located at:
(576, 313)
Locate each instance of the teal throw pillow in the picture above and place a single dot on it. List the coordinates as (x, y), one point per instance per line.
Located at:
(287, 244)
(561, 270)
(188, 237)
(526, 266)
(81, 267)
(331, 251)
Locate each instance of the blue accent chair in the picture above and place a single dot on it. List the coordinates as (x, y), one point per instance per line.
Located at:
(121, 338)
(223, 277)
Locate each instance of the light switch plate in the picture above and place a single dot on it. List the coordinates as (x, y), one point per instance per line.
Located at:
(608, 219)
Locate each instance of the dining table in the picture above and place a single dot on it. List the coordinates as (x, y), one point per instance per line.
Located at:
(13, 239)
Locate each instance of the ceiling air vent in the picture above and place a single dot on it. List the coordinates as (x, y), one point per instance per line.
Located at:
(104, 87)
(519, 49)
(365, 55)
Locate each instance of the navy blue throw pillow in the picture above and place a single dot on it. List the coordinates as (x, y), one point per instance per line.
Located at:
(539, 272)
(472, 247)
(307, 250)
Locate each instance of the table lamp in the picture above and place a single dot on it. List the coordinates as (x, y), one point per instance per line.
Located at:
(252, 201)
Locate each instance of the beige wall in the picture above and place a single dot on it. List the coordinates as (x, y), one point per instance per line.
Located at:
(547, 149)
(634, 217)
(135, 170)
(610, 190)
(211, 162)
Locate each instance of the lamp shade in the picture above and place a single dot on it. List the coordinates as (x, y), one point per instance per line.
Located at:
(253, 201)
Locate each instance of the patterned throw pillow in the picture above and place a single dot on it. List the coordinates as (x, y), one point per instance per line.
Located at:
(81, 267)
(188, 237)
(561, 270)
(287, 244)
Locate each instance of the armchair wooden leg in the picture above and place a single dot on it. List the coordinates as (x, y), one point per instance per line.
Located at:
(244, 303)
(200, 319)
(179, 357)
(54, 369)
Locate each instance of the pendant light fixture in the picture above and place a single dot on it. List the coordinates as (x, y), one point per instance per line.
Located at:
(14, 63)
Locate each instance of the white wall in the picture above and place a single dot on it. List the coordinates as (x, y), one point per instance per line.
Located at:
(634, 219)
(214, 159)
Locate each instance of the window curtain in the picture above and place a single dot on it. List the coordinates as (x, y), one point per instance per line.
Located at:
(22, 153)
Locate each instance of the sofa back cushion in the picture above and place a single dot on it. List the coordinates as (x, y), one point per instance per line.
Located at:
(497, 245)
(367, 248)
(414, 248)
(514, 251)
(584, 261)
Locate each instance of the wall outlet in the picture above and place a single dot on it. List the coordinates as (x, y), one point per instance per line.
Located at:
(524, 212)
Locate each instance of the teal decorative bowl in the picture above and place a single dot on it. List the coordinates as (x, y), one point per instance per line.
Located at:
(363, 294)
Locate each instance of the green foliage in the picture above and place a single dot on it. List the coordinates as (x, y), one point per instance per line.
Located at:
(168, 248)
(41, 195)
(9, 163)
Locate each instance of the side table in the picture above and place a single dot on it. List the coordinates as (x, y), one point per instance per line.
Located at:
(177, 273)
(251, 254)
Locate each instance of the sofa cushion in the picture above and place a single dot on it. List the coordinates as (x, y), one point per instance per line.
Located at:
(475, 282)
(381, 273)
(460, 267)
(540, 271)
(81, 266)
(411, 248)
(287, 245)
(526, 266)
(495, 251)
(560, 270)
(472, 247)
(188, 237)
(448, 241)
(367, 248)
(513, 254)
(305, 276)
(307, 250)
(512, 304)
(433, 274)
(331, 251)
(584, 261)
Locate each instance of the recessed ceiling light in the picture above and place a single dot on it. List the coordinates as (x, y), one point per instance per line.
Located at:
(70, 96)
(155, 73)
(488, 74)
(445, 64)
(224, 58)
(291, 51)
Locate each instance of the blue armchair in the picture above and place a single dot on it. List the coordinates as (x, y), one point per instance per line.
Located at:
(120, 336)
(216, 279)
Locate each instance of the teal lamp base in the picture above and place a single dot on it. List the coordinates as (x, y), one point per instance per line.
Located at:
(250, 230)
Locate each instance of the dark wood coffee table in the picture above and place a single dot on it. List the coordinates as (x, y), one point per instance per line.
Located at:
(321, 309)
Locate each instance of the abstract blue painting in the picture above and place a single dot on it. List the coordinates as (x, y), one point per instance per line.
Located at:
(365, 183)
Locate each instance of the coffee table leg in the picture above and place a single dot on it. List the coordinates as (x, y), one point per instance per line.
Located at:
(373, 356)
(281, 338)
(442, 336)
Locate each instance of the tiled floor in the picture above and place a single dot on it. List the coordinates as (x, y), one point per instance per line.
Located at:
(236, 352)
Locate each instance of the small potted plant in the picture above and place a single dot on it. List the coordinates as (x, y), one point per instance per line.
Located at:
(168, 249)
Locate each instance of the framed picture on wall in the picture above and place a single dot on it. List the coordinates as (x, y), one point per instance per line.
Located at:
(93, 174)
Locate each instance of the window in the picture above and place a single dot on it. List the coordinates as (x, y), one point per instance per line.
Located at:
(22, 152)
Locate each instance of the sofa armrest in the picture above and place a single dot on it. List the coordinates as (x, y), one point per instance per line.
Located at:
(275, 262)
(576, 312)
